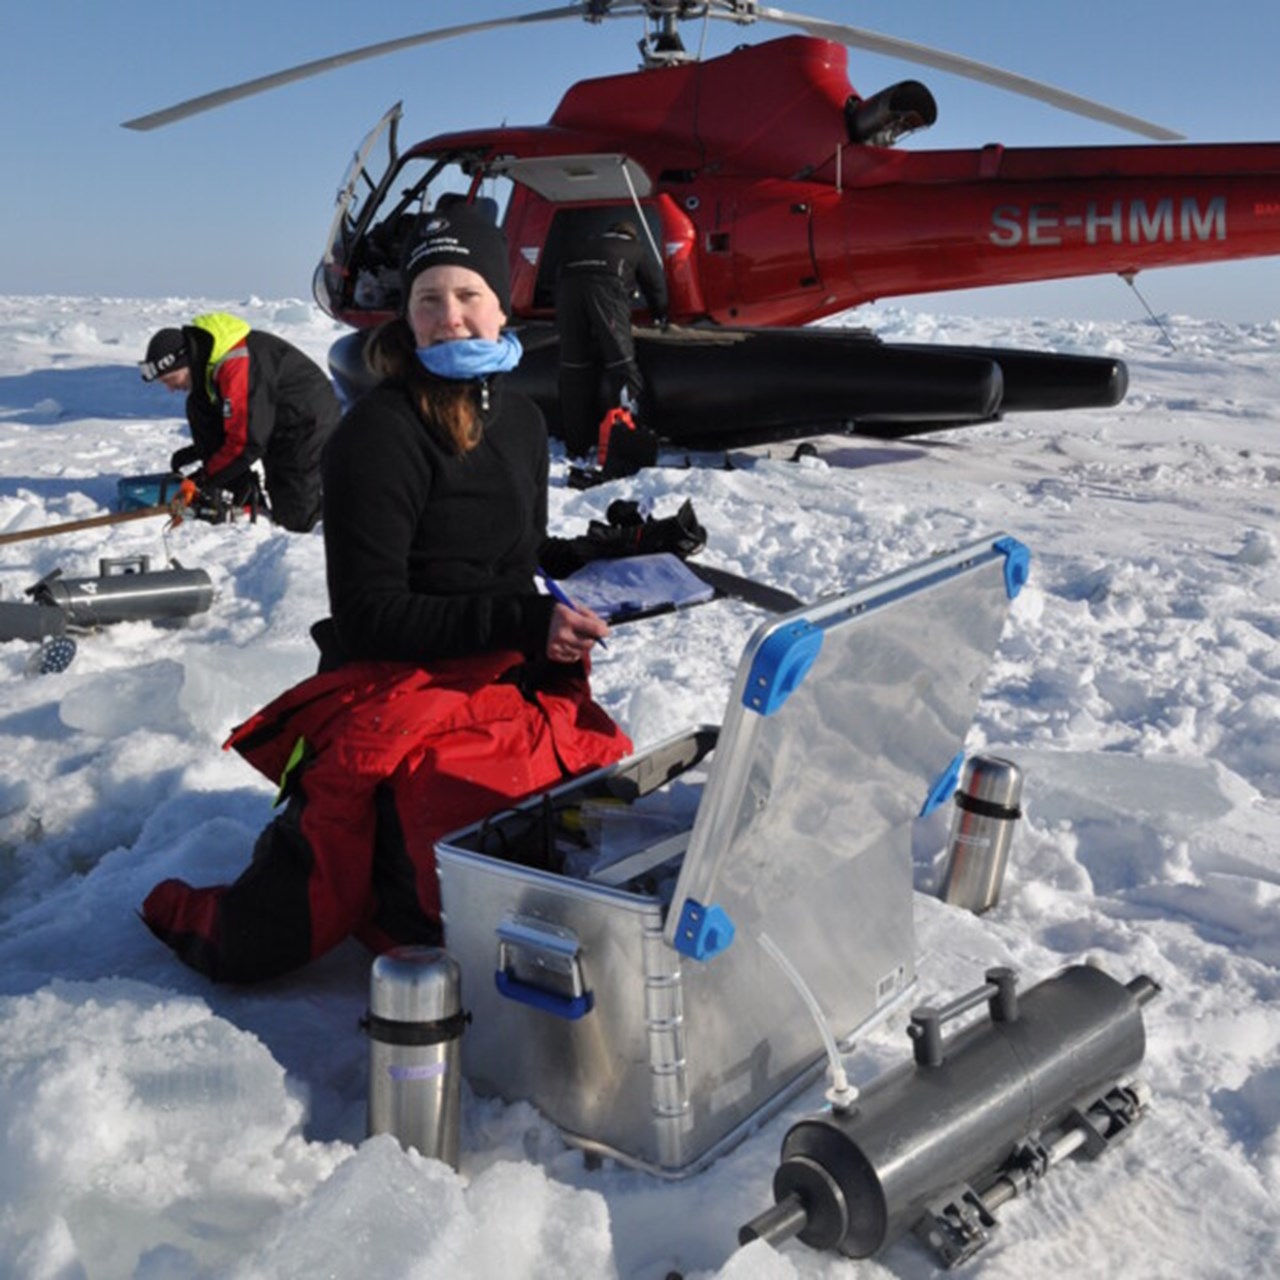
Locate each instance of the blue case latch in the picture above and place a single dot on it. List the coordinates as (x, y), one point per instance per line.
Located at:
(1017, 564)
(703, 932)
(780, 664)
(945, 787)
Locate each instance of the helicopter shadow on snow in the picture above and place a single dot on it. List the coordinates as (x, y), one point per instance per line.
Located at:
(848, 452)
(46, 397)
(866, 451)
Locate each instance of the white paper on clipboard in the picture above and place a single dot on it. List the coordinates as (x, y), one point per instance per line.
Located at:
(616, 589)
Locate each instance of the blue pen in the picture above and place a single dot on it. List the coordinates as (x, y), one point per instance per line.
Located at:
(557, 592)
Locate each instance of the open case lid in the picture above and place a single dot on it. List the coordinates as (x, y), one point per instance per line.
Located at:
(845, 723)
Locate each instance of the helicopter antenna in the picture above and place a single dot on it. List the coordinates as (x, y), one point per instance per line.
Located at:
(702, 39)
(1130, 278)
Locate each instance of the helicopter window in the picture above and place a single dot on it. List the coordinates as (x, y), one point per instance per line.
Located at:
(485, 205)
(422, 184)
(569, 226)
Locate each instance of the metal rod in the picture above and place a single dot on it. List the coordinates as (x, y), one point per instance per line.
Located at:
(787, 1218)
(1011, 1185)
(90, 522)
(1143, 989)
(1129, 278)
(644, 223)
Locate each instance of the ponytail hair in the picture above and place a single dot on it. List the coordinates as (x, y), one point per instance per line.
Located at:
(447, 408)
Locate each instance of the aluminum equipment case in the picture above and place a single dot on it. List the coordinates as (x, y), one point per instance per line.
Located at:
(625, 938)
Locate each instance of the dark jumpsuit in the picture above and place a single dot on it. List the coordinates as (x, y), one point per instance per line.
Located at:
(593, 313)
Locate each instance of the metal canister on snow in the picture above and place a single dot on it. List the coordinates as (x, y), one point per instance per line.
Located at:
(415, 1026)
(937, 1145)
(987, 807)
(127, 590)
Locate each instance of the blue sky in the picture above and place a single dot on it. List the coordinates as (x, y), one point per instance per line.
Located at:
(237, 203)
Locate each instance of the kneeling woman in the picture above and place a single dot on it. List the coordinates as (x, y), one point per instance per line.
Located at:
(449, 685)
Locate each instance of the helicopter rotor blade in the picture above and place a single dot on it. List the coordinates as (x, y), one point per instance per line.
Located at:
(939, 59)
(741, 12)
(233, 93)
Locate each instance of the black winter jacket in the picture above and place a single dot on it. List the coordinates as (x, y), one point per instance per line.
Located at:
(279, 405)
(431, 554)
(619, 264)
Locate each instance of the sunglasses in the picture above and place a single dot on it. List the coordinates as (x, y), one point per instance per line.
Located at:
(153, 369)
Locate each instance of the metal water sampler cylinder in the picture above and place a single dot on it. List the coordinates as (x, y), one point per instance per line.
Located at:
(127, 590)
(935, 1146)
(987, 810)
(415, 1026)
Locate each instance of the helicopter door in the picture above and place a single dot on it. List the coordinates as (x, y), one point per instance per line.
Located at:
(361, 190)
(614, 183)
(772, 251)
(357, 183)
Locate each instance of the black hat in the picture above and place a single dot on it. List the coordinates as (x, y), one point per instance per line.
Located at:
(166, 352)
(461, 236)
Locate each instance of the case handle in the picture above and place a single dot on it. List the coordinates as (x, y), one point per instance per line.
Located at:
(570, 1008)
(540, 966)
(925, 1030)
(115, 565)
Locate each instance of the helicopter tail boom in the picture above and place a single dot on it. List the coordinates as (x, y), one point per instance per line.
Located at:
(947, 220)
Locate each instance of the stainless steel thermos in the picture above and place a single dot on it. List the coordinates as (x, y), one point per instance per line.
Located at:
(987, 808)
(415, 1026)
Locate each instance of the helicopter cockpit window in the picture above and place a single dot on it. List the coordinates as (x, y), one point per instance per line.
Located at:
(420, 186)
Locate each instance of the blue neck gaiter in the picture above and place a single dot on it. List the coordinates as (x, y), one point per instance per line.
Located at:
(472, 357)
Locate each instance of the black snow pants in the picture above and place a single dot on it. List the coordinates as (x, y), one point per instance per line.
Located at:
(597, 356)
(292, 467)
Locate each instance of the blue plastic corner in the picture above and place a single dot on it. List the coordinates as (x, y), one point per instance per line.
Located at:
(1017, 564)
(703, 931)
(780, 664)
(945, 787)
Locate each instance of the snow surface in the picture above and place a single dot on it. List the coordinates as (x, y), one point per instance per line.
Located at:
(153, 1125)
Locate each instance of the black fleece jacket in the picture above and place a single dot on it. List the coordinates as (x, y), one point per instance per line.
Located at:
(431, 554)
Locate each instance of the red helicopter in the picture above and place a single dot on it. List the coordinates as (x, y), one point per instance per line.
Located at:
(775, 195)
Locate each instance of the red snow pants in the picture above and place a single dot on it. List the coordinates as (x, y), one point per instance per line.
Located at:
(376, 762)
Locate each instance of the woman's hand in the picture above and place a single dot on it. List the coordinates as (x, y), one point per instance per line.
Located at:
(572, 633)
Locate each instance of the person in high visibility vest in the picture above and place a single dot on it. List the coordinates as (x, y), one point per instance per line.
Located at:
(251, 397)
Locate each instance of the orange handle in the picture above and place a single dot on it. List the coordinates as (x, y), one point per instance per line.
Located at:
(614, 418)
